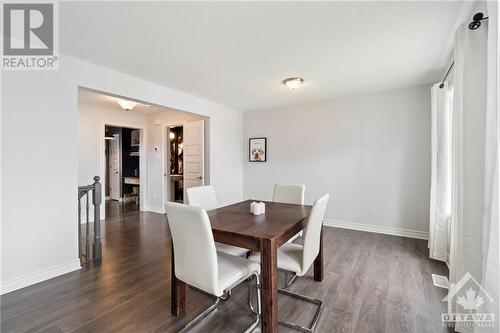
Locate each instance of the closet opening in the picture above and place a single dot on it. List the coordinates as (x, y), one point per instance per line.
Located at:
(122, 180)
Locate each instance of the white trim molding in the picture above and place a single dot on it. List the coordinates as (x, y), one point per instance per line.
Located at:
(156, 210)
(379, 229)
(39, 276)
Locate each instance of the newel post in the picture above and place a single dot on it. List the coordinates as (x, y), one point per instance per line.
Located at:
(97, 200)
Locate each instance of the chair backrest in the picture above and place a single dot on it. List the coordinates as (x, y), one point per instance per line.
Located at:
(312, 232)
(292, 194)
(195, 257)
(202, 196)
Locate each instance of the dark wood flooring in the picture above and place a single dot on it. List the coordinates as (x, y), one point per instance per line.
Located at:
(373, 283)
(116, 208)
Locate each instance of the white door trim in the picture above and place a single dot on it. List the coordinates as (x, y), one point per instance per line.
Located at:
(189, 181)
(109, 169)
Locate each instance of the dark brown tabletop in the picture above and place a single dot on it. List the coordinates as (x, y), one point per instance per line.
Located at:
(236, 223)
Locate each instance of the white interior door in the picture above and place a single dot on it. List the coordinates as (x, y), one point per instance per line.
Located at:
(115, 172)
(193, 154)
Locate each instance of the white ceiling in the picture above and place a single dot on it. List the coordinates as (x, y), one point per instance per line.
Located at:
(236, 53)
(111, 102)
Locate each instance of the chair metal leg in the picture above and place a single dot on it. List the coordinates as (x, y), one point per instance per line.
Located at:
(288, 283)
(200, 316)
(250, 285)
(258, 311)
(226, 295)
(305, 299)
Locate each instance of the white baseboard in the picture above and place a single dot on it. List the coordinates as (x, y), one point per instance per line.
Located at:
(155, 210)
(379, 229)
(39, 276)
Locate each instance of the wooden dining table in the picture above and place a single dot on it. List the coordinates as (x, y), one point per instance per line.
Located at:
(235, 225)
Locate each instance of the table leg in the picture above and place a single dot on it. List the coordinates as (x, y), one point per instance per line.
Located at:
(178, 292)
(318, 262)
(269, 276)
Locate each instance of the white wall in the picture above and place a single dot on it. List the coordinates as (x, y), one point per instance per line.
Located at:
(40, 160)
(366, 151)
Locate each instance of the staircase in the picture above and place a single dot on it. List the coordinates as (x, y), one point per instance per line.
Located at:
(89, 233)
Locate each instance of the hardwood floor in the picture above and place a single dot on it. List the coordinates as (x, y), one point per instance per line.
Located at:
(116, 208)
(372, 283)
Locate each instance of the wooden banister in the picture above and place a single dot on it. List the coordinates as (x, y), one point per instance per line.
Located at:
(85, 253)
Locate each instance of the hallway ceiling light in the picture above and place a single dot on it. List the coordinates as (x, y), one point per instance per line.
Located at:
(127, 105)
(293, 82)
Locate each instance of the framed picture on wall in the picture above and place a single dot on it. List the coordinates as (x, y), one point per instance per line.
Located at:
(257, 150)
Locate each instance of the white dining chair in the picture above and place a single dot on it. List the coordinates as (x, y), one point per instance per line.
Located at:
(297, 259)
(198, 264)
(204, 197)
(291, 194)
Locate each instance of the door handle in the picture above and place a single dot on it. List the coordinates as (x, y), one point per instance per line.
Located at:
(200, 177)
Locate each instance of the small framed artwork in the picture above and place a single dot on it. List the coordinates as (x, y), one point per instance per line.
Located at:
(257, 150)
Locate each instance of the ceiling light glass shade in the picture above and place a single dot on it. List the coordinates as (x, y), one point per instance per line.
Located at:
(293, 82)
(127, 105)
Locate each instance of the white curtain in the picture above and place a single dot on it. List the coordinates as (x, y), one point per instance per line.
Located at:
(475, 137)
(491, 249)
(440, 196)
(469, 126)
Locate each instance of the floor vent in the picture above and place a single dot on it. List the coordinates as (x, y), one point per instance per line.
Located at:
(440, 281)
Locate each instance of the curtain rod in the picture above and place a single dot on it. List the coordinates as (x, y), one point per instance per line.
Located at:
(474, 25)
(447, 73)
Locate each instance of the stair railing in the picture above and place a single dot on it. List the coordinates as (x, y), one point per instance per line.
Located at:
(89, 249)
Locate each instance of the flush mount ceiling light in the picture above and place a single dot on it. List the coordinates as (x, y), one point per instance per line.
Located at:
(127, 105)
(293, 82)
